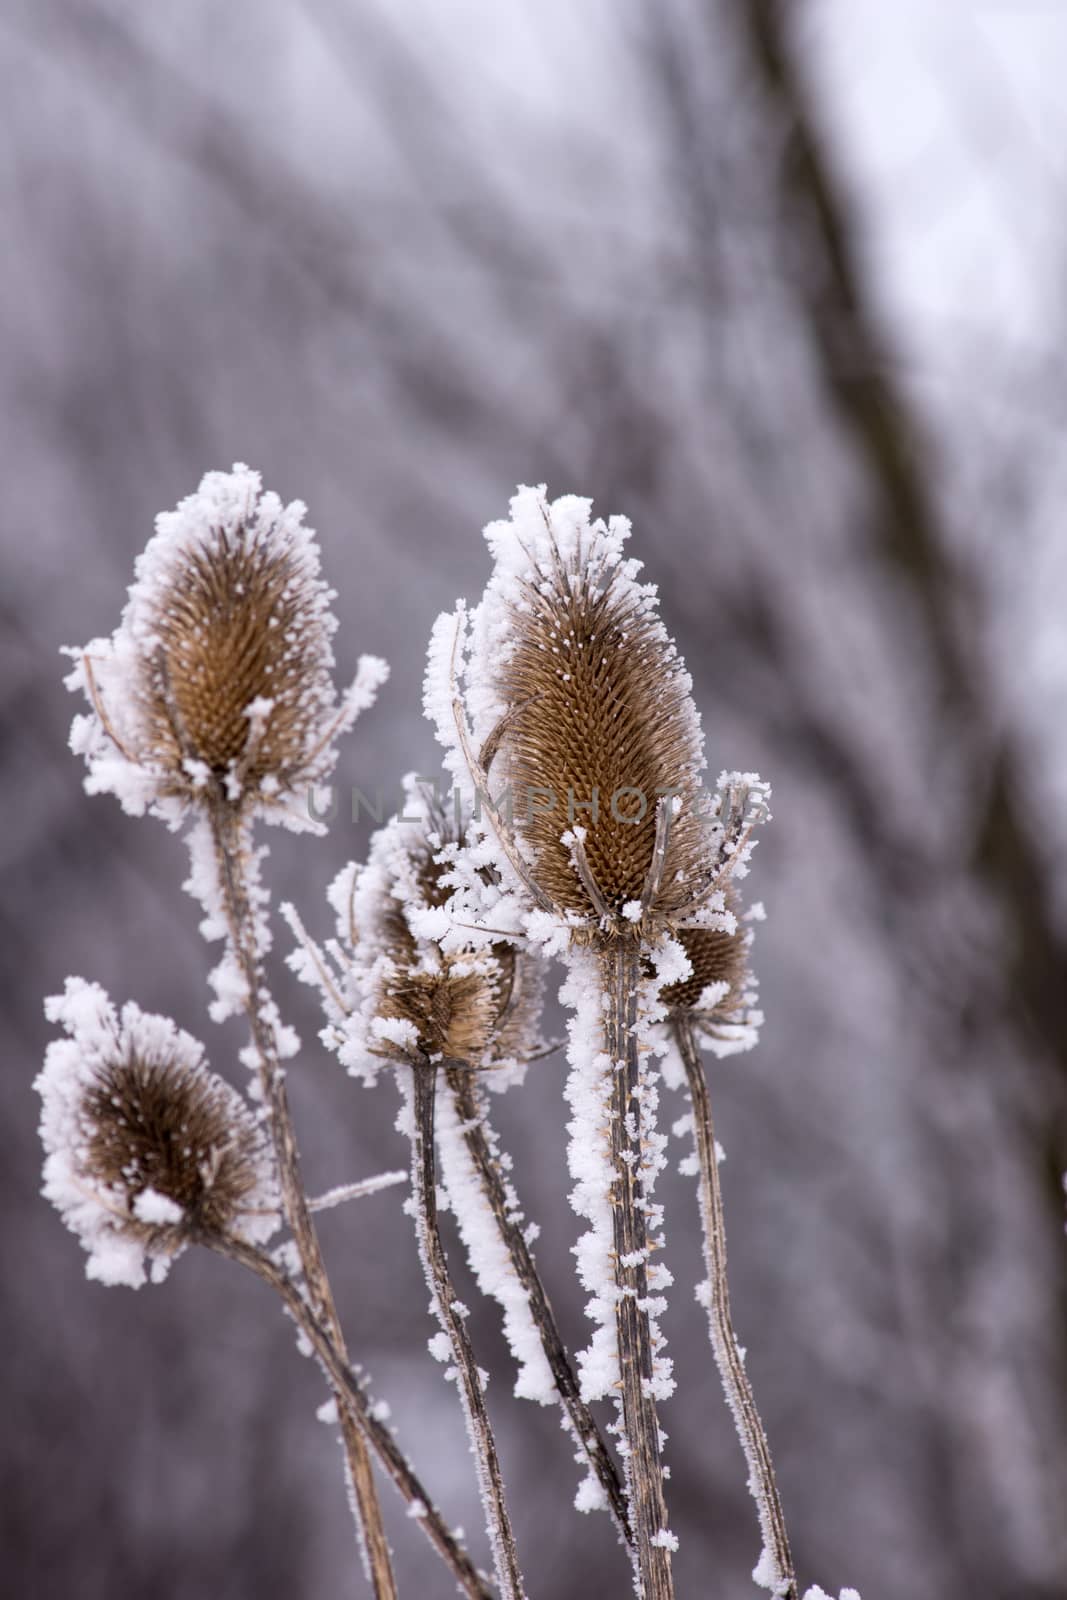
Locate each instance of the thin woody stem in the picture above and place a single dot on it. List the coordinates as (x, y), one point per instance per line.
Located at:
(648, 1510)
(453, 1320)
(352, 1397)
(470, 1108)
(228, 830)
(781, 1578)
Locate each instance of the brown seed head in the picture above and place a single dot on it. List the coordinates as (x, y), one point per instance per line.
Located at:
(475, 1006)
(717, 957)
(153, 1125)
(598, 708)
(217, 685)
(234, 628)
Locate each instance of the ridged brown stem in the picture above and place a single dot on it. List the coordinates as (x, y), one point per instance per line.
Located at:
(453, 1320)
(347, 1385)
(735, 1380)
(228, 830)
(463, 1085)
(621, 966)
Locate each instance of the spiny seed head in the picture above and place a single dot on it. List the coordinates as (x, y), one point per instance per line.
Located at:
(420, 995)
(579, 694)
(219, 679)
(147, 1150)
(719, 958)
(153, 1125)
(719, 996)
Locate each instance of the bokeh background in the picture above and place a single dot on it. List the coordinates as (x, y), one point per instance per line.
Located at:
(784, 282)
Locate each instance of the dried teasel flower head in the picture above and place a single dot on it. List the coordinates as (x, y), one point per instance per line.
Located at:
(218, 682)
(567, 694)
(719, 995)
(418, 986)
(146, 1150)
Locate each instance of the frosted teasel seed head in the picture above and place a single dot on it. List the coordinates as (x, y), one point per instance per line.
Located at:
(568, 694)
(417, 993)
(146, 1150)
(719, 995)
(218, 681)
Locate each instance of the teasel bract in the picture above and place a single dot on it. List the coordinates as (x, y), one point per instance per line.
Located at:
(147, 1151)
(217, 683)
(567, 719)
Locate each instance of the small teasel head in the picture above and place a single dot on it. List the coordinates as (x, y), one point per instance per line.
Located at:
(422, 988)
(580, 711)
(719, 995)
(146, 1150)
(218, 682)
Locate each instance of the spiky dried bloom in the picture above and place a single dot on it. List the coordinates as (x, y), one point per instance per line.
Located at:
(218, 681)
(412, 990)
(719, 994)
(147, 1151)
(572, 684)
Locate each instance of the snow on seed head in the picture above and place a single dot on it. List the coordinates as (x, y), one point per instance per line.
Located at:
(720, 993)
(146, 1150)
(218, 680)
(718, 956)
(445, 998)
(579, 697)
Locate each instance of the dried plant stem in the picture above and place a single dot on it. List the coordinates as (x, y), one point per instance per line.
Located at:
(471, 1111)
(453, 1320)
(648, 1510)
(231, 843)
(345, 1384)
(777, 1560)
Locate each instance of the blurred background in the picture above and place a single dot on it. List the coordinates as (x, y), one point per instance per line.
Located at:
(783, 282)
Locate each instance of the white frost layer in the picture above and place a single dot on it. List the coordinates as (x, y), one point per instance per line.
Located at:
(367, 901)
(97, 1034)
(588, 1093)
(109, 672)
(538, 545)
(816, 1593)
(488, 1254)
(227, 978)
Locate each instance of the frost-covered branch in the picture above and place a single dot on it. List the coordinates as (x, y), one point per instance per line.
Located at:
(352, 1399)
(230, 835)
(641, 1373)
(420, 1092)
(491, 1209)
